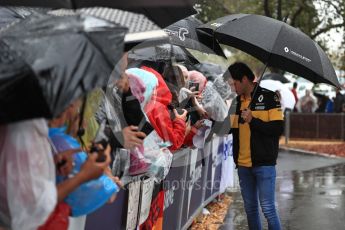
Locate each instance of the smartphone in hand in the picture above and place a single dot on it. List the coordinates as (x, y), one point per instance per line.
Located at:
(194, 86)
(145, 127)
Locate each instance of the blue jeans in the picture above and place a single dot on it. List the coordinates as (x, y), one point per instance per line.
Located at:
(258, 184)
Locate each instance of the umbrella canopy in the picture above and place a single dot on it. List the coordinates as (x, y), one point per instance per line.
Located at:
(162, 53)
(163, 13)
(276, 44)
(276, 77)
(183, 33)
(287, 98)
(140, 28)
(47, 62)
(133, 21)
(9, 15)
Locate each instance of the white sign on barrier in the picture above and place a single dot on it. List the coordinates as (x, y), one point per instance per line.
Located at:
(169, 197)
(145, 200)
(133, 205)
(227, 178)
(194, 173)
(215, 159)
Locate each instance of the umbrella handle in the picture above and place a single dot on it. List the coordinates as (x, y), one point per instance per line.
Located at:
(81, 130)
(172, 57)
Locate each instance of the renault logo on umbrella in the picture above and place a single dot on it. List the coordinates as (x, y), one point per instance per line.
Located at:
(286, 49)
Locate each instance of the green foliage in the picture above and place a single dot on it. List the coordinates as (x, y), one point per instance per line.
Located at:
(209, 10)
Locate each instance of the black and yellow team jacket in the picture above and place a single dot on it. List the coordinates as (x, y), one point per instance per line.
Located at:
(256, 143)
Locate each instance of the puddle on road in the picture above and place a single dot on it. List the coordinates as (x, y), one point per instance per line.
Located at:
(313, 199)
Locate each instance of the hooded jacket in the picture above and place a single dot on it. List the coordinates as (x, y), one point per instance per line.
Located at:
(158, 114)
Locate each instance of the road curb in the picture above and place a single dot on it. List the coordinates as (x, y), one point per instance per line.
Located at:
(306, 152)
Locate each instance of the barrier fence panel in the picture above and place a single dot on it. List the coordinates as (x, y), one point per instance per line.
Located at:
(227, 179)
(193, 197)
(174, 185)
(206, 156)
(192, 182)
(303, 125)
(315, 125)
(330, 126)
(110, 216)
(214, 171)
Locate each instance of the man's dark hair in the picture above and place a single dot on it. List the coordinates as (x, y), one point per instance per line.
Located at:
(238, 70)
(295, 85)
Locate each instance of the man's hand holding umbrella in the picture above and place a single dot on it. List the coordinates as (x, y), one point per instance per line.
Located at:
(247, 115)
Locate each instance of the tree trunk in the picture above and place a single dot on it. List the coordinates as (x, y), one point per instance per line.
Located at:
(267, 9)
(279, 10)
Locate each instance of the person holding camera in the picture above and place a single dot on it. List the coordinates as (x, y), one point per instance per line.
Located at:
(257, 123)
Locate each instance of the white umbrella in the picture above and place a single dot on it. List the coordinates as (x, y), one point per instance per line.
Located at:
(287, 99)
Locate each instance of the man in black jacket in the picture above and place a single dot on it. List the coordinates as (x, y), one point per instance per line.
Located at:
(257, 123)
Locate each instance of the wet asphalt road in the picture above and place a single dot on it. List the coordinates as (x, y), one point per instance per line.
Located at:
(310, 194)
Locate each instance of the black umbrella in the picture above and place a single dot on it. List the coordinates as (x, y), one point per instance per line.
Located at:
(162, 53)
(183, 33)
(162, 12)
(48, 61)
(9, 15)
(140, 28)
(133, 21)
(276, 44)
(276, 77)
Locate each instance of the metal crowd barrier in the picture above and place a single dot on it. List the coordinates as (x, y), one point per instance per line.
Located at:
(197, 176)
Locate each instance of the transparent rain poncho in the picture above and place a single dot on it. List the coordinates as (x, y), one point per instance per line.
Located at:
(222, 87)
(153, 158)
(27, 175)
(213, 103)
